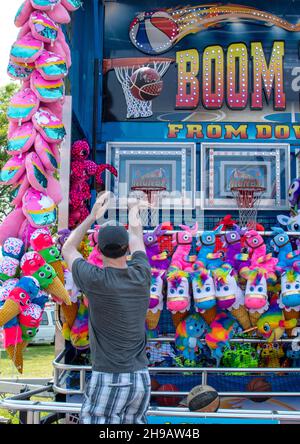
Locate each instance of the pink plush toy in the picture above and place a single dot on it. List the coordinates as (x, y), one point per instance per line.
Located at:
(19, 70)
(51, 66)
(46, 153)
(21, 138)
(47, 90)
(36, 174)
(21, 189)
(26, 49)
(45, 5)
(183, 242)
(49, 125)
(59, 14)
(13, 170)
(23, 105)
(11, 225)
(42, 27)
(95, 256)
(39, 209)
(23, 13)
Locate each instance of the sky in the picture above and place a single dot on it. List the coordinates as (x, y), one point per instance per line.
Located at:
(8, 34)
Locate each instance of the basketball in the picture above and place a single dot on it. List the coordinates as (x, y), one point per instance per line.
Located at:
(145, 84)
(168, 401)
(154, 385)
(203, 398)
(153, 32)
(259, 385)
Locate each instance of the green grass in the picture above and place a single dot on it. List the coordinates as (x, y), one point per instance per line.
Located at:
(37, 364)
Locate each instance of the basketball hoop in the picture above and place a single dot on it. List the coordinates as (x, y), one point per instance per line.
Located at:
(149, 216)
(124, 68)
(247, 193)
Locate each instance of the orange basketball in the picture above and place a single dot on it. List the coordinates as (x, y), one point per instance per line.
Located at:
(259, 385)
(168, 401)
(145, 84)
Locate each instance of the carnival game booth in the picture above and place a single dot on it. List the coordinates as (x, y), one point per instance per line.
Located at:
(195, 107)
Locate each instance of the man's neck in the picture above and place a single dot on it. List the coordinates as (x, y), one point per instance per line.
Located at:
(115, 263)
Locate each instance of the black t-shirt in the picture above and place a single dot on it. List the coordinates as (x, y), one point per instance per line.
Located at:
(118, 302)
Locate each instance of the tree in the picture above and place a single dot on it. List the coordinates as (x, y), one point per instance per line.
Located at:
(6, 92)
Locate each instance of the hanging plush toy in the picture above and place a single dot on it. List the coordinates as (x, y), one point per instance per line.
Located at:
(178, 295)
(79, 333)
(289, 299)
(182, 240)
(221, 331)
(188, 335)
(9, 268)
(233, 246)
(294, 196)
(42, 242)
(33, 264)
(204, 293)
(229, 295)
(156, 299)
(206, 255)
(281, 244)
(270, 355)
(157, 259)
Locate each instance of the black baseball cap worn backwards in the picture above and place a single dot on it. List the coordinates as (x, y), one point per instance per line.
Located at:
(113, 241)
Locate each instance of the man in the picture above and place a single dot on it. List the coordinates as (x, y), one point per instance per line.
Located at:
(118, 295)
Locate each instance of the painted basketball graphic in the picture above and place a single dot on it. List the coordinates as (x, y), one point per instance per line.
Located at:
(153, 32)
(145, 84)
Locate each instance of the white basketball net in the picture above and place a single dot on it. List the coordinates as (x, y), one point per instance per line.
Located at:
(248, 202)
(138, 108)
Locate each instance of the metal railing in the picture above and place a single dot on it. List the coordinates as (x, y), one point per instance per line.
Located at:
(34, 410)
(62, 372)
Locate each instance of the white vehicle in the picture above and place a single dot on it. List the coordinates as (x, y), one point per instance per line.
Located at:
(46, 332)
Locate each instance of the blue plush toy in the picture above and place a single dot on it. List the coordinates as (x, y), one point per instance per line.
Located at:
(294, 355)
(206, 255)
(281, 244)
(188, 335)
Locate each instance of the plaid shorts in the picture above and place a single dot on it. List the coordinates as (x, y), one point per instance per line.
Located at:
(116, 398)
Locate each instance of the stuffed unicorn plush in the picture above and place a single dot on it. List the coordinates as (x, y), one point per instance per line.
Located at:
(292, 223)
(156, 298)
(229, 295)
(178, 295)
(183, 242)
(204, 292)
(206, 255)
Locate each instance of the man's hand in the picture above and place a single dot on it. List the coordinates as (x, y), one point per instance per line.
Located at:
(100, 206)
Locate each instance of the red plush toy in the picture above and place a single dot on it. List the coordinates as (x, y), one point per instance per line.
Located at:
(82, 170)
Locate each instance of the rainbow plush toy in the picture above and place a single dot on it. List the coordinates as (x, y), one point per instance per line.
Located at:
(79, 333)
(221, 331)
(178, 295)
(229, 295)
(188, 335)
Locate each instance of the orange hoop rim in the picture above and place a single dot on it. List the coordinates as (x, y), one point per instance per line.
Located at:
(109, 64)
